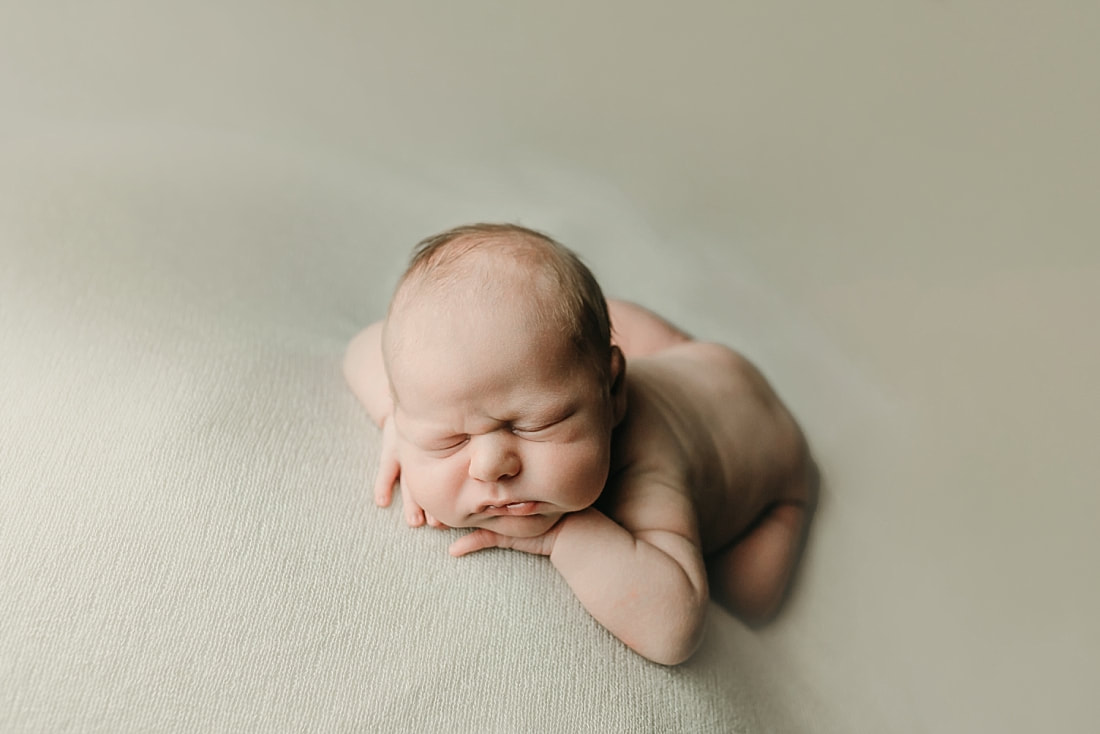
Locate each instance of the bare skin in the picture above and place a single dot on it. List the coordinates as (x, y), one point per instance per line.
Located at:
(686, 479)
(703, 419)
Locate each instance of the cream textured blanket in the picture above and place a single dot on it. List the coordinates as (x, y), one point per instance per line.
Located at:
(187, 540)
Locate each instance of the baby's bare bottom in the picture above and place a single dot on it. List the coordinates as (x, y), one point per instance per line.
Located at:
(752, 576)
(639, 332)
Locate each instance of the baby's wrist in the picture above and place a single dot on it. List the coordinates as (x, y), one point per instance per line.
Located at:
(566, 528)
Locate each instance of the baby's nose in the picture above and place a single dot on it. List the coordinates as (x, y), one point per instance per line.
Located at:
(493, 460)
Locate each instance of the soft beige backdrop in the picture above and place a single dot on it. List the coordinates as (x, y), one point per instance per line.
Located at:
(903, 198)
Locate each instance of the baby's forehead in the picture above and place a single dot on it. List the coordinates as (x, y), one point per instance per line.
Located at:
(434, 324)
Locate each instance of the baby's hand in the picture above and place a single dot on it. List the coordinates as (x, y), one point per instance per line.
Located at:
(480, 539)
(389, 471)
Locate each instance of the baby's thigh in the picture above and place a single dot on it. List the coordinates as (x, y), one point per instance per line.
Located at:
(751, 576)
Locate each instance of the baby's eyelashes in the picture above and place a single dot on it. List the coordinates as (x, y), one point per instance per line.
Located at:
(529, 431)
(449, 445)
(452, 443)
(539, 428)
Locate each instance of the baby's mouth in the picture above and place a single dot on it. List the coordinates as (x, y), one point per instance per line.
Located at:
(511, 508)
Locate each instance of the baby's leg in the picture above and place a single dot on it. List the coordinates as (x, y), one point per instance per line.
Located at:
(751, 577)
(639, 331)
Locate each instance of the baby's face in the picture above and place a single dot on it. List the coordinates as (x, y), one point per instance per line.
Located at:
(497, 427)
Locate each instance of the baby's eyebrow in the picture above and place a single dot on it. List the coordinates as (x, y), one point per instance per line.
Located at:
(420, 428)
(439, 433)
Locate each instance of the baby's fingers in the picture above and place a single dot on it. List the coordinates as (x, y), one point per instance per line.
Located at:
(388, 471)
(414, 514)
(542, 545)
(480, 539)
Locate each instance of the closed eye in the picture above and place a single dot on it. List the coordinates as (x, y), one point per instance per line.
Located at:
(450, 444)
(536, 429)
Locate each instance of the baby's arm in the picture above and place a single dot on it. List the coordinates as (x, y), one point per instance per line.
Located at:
(643, 577)
(647, 586)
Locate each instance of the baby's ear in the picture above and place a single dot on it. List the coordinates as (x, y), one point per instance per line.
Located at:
(618, 384)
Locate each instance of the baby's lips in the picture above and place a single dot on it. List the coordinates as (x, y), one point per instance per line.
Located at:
(519, 509)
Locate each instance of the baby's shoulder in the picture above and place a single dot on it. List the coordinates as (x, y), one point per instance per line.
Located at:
(649, 493)
(665, 435)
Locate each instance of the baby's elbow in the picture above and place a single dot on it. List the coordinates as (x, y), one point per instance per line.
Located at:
(676, 652)
(679, 640)
(365, 372)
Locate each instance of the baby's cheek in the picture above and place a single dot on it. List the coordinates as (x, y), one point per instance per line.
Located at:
(592, 467)
(587, 456)
(577, 473)
(431, 488)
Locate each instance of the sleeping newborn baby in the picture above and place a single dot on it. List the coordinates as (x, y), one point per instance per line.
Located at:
(652, 469)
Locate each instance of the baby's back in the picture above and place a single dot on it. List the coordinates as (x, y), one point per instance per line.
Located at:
(702, 418)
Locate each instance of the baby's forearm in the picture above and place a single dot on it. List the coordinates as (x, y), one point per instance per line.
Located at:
(653, 599)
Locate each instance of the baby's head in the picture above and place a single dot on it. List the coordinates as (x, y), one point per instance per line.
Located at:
(506, 386)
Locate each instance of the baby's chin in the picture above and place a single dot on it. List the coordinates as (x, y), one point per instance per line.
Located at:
(520, 527)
